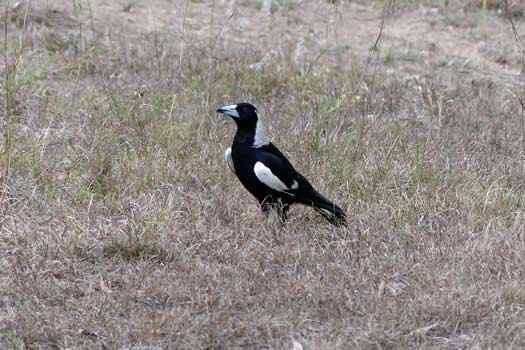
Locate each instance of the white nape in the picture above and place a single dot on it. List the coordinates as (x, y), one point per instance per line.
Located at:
(265, 175)
(229, 160)
(260, 139)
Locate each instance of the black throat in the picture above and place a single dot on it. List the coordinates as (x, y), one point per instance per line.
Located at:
(244, 137)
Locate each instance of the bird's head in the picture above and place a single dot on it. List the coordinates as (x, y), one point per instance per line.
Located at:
(244, 114)
(248, 123)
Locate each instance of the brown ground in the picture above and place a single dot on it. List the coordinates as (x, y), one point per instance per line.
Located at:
(414, 35)
(122, 228)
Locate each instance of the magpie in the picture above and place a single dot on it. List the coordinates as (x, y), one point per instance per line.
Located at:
(266, 173)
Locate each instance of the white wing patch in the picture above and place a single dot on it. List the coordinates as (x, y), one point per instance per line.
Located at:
(265, 175)
(295, 185)
(229, 160)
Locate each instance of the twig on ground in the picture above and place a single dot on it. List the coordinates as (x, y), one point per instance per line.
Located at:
(386, 6)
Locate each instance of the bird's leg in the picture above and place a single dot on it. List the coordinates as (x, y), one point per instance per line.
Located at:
(281, 208)
(266, 205)
(282, 211)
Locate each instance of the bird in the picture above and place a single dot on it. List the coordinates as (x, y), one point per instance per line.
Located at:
(266, 173)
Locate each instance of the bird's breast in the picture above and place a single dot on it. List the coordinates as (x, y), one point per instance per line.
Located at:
(244, 162)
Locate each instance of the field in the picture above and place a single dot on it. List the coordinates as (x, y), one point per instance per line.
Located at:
(121, 227)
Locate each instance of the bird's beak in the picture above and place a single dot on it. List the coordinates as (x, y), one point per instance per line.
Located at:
(229, 110)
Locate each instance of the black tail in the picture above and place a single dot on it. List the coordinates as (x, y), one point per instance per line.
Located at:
(329, 210)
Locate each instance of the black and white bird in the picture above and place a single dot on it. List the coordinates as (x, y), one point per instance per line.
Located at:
(265, 171)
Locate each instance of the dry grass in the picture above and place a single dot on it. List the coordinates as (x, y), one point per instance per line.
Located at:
(122, 227)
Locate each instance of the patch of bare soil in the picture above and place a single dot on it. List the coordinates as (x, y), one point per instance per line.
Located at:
(465, 36)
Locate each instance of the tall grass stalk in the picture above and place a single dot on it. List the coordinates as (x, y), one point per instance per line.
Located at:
(183, 33)
(13, 62)
(77, 10)
(5, 154)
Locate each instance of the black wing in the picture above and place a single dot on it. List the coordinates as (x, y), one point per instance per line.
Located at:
(273, 159)
(299, 187)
